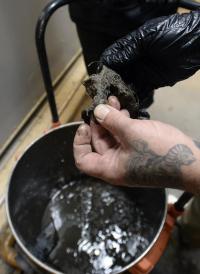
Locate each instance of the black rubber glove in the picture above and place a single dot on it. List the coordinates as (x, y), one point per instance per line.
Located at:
(160, 53)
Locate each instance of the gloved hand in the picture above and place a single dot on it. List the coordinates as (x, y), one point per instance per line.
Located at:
(162, 52)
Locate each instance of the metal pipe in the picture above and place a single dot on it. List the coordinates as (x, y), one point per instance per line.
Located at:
(187, 4)
(183, 200)
(43, 20)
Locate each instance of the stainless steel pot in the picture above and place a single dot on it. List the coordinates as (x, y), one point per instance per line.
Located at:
(38, 171)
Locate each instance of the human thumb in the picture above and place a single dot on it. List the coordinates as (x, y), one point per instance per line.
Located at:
(112, 120)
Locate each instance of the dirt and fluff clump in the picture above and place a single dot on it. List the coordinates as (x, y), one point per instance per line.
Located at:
(106, 83)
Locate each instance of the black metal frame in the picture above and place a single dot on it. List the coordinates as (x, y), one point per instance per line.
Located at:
(182, 201)
(41, 27)
(187, 4)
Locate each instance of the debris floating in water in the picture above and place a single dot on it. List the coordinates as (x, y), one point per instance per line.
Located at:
(98, 228)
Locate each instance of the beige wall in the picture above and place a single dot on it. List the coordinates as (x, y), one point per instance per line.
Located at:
(20, 78)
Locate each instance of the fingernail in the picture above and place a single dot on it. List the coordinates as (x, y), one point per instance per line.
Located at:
(82, 131)
(101, 111)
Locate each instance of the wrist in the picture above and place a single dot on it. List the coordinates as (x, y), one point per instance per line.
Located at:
(172, 162)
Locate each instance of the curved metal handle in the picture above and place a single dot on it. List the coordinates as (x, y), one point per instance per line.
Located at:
(43, 20)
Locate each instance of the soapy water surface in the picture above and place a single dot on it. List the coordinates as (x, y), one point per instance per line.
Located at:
(91, 227)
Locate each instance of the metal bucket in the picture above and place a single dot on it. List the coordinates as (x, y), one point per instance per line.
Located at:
(38, 172)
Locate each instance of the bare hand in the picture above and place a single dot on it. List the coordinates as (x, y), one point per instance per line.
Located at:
(131, 152)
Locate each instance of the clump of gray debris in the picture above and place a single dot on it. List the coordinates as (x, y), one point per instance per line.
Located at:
(106, 83)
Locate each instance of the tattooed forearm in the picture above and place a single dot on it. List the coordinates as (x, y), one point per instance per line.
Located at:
(197, 143)
(148, 168)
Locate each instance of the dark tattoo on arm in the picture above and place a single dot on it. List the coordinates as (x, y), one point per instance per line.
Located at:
(145, 167)
(197, 143)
